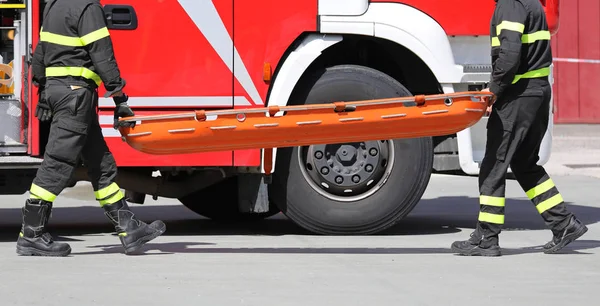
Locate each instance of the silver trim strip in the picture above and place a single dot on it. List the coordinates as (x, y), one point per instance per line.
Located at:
(139, 134)
(441, 111)
(308, 122)
(225, 127)
(393, 116)
(351, 119)
(182, 130)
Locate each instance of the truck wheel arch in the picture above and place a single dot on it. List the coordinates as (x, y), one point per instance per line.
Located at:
(415, 30)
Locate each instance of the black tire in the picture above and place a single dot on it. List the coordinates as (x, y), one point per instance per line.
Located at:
(219, 203)
(320, 212)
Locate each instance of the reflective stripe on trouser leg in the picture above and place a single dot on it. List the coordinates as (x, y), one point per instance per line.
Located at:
(109, 195)
(37, 192)
(491, 209)
(545, 195)
(549, 203)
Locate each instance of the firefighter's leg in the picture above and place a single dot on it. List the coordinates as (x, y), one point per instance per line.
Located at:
(102, 168)
(540, 188)
(504, 135)
(67, 137)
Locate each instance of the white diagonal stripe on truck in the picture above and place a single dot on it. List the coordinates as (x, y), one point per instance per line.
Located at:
(206, 17)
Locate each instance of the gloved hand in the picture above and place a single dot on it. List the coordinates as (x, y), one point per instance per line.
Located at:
(43, 111)
(122, 110)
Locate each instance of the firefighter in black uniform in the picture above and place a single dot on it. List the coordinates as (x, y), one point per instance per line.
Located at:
(73, 57)
(521, 59)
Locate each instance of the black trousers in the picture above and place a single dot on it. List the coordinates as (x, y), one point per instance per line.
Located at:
(75, 134)
(515, 131)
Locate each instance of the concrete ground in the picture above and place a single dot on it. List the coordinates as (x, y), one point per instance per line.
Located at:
(198, 262)
(575, 150)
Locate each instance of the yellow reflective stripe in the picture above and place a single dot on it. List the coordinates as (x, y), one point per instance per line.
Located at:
(526, 38)
(539, 189)
(106, 191)
(73, 41)
(533, 74)
(73, 71)
(491, 218)
(533, 37)
(12, 6)
(61, 39)
(93, 36)
(551, 202)
(492, 201)
(495, 42)
(511, 26)
(42, 193)
(115, 198)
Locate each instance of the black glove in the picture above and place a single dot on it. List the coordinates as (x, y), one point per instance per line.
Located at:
(43, 111)
(122, 110)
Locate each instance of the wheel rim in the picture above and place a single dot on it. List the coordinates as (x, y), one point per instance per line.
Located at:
(347, 172)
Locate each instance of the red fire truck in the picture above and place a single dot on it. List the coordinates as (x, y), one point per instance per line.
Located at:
(179, 55)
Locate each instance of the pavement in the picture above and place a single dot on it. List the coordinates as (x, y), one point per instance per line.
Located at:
(273, 262)
(575, 150)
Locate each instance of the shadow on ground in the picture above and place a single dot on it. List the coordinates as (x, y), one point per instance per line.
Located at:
(444, 215)
(188, 247)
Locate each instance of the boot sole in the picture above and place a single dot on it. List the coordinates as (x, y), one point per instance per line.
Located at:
(477, 252)
(568, 239)
(134, 247)
(27, 251)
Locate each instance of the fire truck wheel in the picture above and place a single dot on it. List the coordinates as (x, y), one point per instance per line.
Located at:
(351, 188)
(225, 209)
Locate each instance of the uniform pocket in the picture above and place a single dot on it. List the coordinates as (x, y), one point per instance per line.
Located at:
(66, 140)
(507, 133)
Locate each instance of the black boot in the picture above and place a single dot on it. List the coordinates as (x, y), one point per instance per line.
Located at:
(477, 245)
(34, 239)
(561, 238)
(132, 232)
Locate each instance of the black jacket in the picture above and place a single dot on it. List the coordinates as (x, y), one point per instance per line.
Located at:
(521, 53)
(75, 46)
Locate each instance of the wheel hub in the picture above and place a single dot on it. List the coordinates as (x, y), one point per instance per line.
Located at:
(347, 170)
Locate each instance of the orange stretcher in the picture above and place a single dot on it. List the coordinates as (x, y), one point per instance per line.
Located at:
(338, 122)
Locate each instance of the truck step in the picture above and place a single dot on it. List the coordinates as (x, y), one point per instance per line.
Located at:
(7, 148)
(16, 161)
(471, 68)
